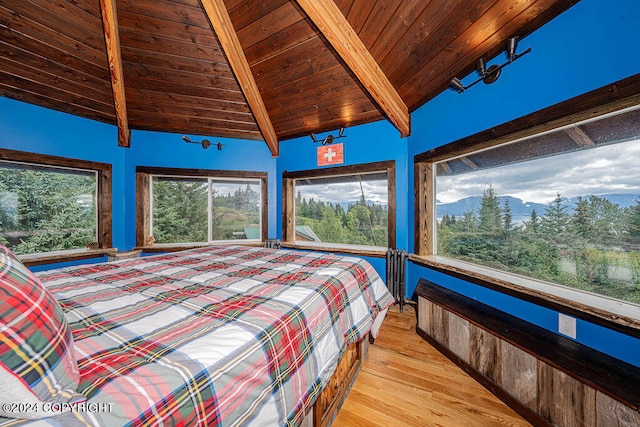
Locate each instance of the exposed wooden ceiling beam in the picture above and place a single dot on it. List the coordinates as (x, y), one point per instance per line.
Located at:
(580, 138)
(337, 30)
(223, 27)
(469, 163)
(112, 38)
(446, 169)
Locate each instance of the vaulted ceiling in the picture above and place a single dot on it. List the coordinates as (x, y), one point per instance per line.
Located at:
(253, 69)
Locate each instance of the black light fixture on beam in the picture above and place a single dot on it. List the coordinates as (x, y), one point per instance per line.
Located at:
(329, 139)
(205, 143)
(490, 75)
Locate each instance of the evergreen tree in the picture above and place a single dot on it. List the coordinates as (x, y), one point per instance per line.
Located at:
(533, 225)
(580, 219)
(507, 218)
(555, 222)
(490, 213)
(633, 223)
(469, 222)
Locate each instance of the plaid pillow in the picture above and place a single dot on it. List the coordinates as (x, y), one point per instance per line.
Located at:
(37, 358)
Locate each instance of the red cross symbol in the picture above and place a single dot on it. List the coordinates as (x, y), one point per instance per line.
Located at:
(330, 155)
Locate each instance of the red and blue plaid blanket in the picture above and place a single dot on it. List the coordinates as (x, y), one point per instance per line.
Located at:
(211, 336)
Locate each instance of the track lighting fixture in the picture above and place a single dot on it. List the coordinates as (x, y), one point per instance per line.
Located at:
(490, 75)
(329, 139)
(205, 143)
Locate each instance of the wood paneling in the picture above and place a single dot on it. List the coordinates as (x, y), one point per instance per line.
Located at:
(112, 39)
(564, 401)
(370, 60)
(544, 376)
(424, 208)
(221, 22)
(338, 31)
(519, 374)
(288, 210)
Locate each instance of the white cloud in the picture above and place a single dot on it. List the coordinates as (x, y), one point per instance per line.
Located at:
(374, 191)
(601, 170)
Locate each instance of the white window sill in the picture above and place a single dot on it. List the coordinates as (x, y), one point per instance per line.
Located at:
(373, 251)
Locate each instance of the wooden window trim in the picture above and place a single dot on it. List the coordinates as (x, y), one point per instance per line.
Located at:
(143, 202)
(288, 203)
(104, 207)
(607, 99)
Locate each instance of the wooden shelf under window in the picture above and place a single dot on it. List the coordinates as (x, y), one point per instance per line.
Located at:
(175, 247)
(65, 256)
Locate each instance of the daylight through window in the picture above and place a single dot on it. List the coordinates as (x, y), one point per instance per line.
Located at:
(44, 209)
(343, 206)
(205, 209)
(563, 206)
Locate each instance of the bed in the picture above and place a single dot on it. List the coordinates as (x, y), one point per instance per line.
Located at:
(226, 335)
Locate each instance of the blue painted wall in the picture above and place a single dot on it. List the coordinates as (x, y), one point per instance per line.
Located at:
(39, 130)
(168, 150)
(25, 127)
(591, 45)
(587, 47)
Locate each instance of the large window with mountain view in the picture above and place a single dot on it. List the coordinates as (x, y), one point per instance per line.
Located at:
(343, 206)
(199, 206)
(563, 206)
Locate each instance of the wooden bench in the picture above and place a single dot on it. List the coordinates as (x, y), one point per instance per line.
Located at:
(545, 377)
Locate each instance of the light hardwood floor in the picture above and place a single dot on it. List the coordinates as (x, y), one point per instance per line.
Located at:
(406, 382)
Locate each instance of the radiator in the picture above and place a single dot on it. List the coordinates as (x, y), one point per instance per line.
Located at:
(396, 274)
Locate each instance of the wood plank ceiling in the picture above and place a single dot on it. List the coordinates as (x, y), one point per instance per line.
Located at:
(285, 69)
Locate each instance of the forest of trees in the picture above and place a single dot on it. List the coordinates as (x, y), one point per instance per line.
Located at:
(43, 211)
(596, 247)
(180, 211)
(361, 224)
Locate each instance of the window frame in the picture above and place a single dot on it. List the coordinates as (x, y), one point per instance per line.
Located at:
(614, 314)
(104, 231)
(144, 175)
(288, 206)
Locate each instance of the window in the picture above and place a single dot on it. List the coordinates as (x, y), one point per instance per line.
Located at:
(562, 207)
(557, 206)
(195, 206)
(334, 207)
(51, 204)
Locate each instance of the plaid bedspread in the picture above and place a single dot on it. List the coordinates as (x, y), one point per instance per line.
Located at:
(212, 336)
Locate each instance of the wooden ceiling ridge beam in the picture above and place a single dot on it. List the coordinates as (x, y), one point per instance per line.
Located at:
(112, 38)
(329, 19)
(469, 163)
(580, 137)
(223, 27)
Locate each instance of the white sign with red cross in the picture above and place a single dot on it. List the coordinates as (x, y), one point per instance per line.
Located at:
(331, 154)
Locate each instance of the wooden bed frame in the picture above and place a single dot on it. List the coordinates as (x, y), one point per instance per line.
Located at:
(332, 396)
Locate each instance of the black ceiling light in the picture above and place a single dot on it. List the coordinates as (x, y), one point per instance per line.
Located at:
(329, 139)
(490, 75)
(205, 143)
